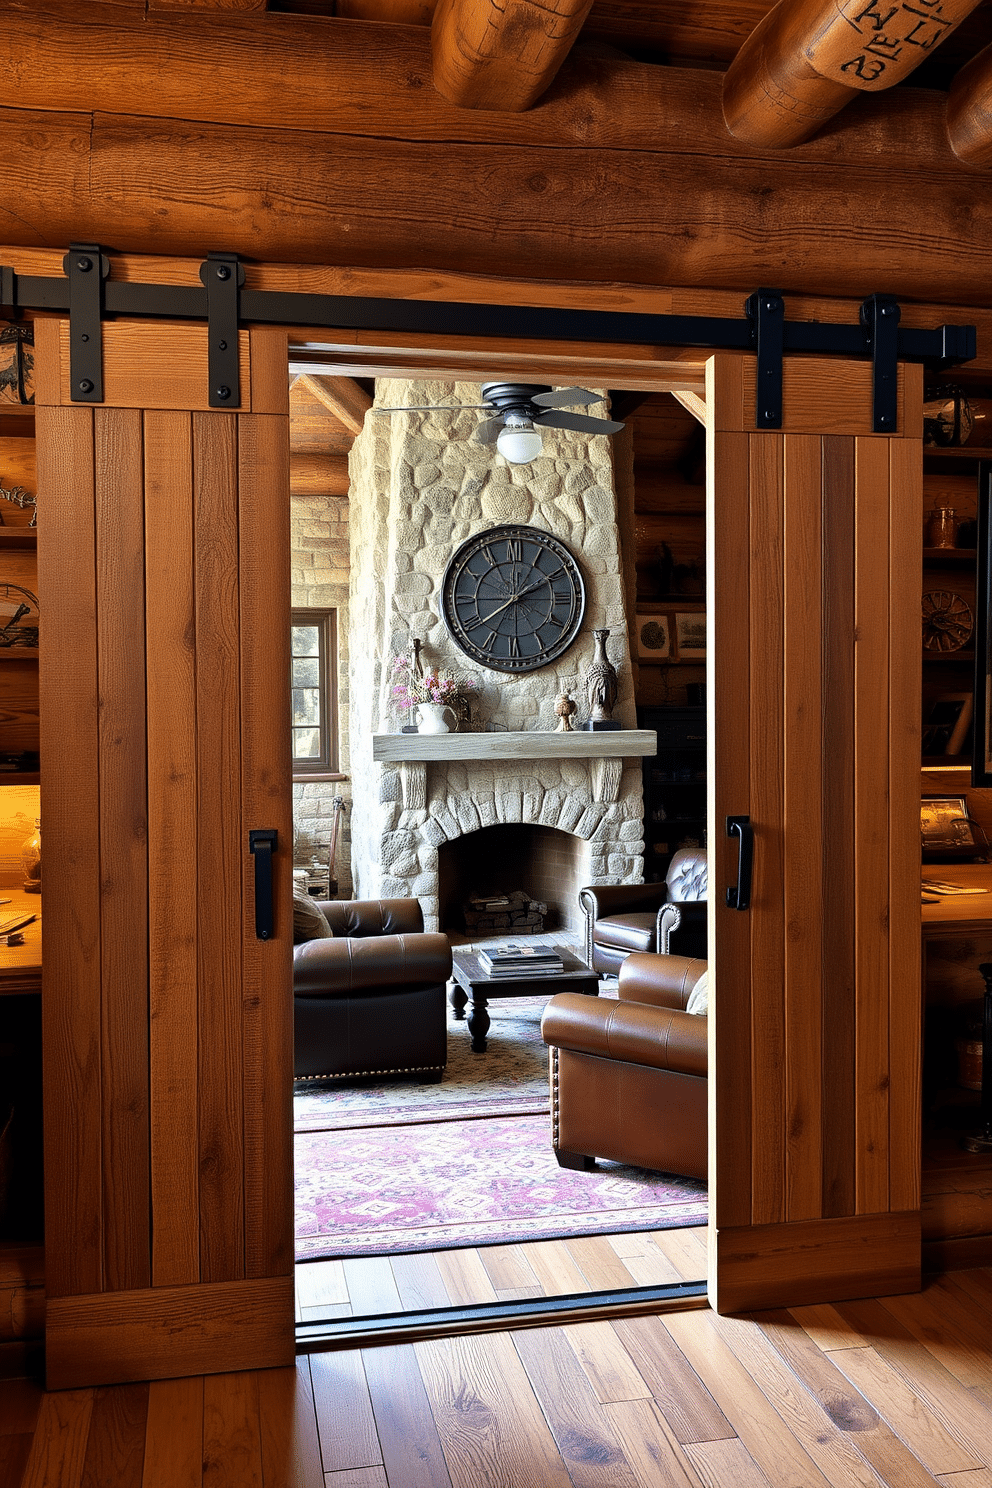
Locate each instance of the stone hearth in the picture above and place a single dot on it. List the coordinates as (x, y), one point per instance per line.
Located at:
(420, 486)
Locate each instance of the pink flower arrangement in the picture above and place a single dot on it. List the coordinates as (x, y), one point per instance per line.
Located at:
(434, 686)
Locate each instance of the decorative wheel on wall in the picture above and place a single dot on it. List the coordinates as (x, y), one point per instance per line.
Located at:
(18, 617)
(948, 622)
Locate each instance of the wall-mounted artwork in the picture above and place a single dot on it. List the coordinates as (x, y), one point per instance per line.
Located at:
(654, 641)
(690, 634)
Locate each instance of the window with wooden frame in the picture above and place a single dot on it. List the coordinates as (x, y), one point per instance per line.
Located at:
(313, 653)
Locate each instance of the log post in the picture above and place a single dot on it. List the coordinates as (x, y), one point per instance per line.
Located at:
(969, 111)
(490, 55)
(808, 58)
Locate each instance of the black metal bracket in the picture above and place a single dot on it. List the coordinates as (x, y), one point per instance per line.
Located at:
(880, 318)
(223, 276)
(766, 312)
(224, 303)
(87, 268)
(263, 843)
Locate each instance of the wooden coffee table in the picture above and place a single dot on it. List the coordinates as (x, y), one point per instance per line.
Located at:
(471, 980)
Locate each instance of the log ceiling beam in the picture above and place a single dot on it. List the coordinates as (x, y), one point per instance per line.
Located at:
(502, 54)
(808, 58)
(341, 396)
(388, 174)
(969, 111)
(208, 5)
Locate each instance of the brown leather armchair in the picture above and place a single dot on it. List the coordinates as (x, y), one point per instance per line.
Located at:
(629, 1077)
(371, 1001)
(668, 917)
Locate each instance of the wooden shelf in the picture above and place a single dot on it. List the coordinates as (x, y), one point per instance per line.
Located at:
(963, 655)
(956, 452)
(20, 777)
(18, 653)
(951, 557)
(18, 537)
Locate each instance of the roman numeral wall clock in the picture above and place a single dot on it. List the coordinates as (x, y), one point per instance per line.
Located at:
(513, 598)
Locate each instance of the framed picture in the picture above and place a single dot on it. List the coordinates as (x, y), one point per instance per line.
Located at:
(945, 827)
(654, 637)
(690, 634)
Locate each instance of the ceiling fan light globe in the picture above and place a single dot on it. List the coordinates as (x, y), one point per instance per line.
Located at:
(520, 443)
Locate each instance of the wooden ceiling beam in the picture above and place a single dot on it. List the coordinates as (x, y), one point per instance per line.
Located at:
(808, 58)
(969, 111)
(502, 54)
(651, 217)
(341, 396)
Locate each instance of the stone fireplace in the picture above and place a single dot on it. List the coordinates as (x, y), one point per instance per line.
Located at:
(420, 485)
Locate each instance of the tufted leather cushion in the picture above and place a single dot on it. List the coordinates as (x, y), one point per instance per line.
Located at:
(686, 877)
(629, 932)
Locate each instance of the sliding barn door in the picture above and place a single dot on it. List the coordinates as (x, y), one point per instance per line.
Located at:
(814, 590)
(164, 563)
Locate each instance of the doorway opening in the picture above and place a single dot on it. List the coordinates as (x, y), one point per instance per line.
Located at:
(651, 590)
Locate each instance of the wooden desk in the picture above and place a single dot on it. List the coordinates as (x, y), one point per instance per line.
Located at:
(20, 966)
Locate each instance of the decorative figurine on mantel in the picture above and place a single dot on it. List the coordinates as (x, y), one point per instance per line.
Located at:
(564, 708)
(601, 687)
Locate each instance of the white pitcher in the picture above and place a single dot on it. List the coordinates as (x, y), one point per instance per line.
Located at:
(431, 719)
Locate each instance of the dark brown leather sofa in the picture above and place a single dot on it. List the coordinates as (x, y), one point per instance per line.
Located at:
(371, 1001)
(629, 1077)
(668, 917)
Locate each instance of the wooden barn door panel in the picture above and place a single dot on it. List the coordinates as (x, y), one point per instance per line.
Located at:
(168, 1025)
(814, 708)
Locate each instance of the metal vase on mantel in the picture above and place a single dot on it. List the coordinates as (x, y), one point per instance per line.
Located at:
(601, 686)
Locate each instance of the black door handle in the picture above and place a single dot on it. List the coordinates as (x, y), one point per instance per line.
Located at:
(262, 843)
(739, 897)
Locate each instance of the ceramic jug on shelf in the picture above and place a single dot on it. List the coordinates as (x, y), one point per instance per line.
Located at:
(431, 719)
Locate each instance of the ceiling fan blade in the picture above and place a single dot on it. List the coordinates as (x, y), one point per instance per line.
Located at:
(580, 422)
(489, 430)
(573, 397)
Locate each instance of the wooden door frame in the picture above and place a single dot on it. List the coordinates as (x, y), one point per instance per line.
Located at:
(621, 366)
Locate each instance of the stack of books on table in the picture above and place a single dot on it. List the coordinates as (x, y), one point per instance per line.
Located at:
(516, 960)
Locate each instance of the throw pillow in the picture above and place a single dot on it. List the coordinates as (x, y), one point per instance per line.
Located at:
(699, 997)
(309, 920)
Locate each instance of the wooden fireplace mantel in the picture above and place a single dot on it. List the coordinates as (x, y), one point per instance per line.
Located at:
(520, 745)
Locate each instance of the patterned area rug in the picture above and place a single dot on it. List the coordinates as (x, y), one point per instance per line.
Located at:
(437, 1185)
(511, 1078)
(382, 1169)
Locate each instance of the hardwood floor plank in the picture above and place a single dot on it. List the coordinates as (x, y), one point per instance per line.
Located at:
(318, 1282)
(718, 1463)
(905, 1412)
(961, 1410)
(980, 1478)
(371, 1288)
(580, 1425)
(288, 1428)
(115, 1447)
(599, 1263)
(507, 1267)
(174, 1434)
(555, 1269)
(805, 1415)
(20, 1402)
(684, 1400)
(686, 1249)
(825, 1326)
(15, 1448)
(357, 1477)
(491, 1426)
(411, 1448)
(820, 1373)
(606, 1363)
(345, 1424)
(232, 1444)
(753, 1417)
(59, 1445)
(326, 1313)
(637, 1242)
(657, 1459)
(653, 1268)
(465, 1277)
(950, 1330)
(518, 1294)
(418, 1281)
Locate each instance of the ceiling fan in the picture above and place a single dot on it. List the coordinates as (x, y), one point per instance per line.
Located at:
(520, 410)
